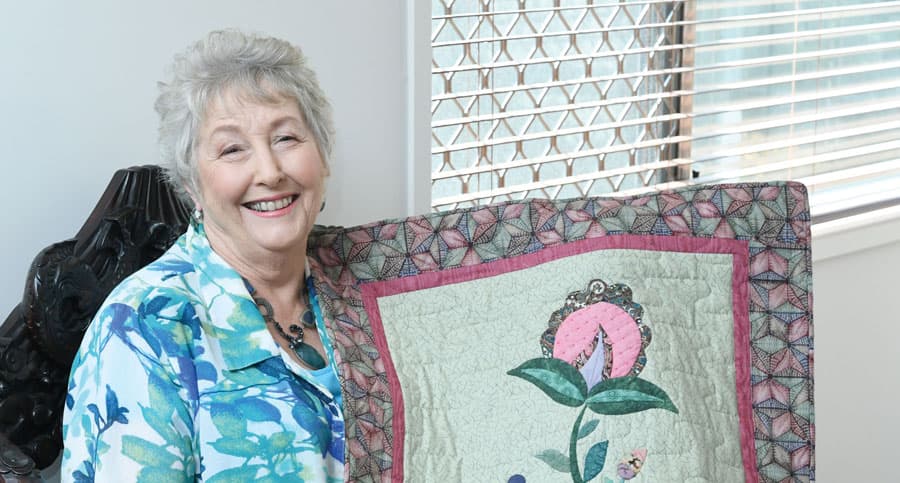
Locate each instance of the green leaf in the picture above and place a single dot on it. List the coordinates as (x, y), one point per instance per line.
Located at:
(588, 428)
(273, 478)
(102, 447)
(87, 424)
(280, 441)
(228, 420)
(160, 475)
(595, 460)
(562, 382)
(164, 400)
(241, 474)
(626, 395)
(146, 453)
(241, 447)
(159, 423)
(256, 409)
(554, 459)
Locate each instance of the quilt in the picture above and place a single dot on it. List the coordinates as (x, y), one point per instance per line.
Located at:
(659, 338)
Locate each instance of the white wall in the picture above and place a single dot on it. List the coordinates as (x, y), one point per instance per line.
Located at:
(79, 81)
(857, 364)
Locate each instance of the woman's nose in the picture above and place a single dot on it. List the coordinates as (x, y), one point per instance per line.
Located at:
(268, 167)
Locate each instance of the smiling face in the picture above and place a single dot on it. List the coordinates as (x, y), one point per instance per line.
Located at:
(261, 178)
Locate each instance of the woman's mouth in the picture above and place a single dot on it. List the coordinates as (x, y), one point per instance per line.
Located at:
(269, 206)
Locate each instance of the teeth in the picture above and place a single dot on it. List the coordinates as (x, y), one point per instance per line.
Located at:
(270, 205)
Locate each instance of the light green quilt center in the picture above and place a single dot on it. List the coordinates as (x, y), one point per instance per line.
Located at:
(468, 421)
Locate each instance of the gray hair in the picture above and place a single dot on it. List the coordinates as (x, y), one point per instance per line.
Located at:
(229, 61)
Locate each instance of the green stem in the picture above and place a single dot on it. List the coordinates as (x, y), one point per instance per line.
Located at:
(573, 449)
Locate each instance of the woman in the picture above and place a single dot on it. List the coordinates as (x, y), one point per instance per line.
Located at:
(212, 362)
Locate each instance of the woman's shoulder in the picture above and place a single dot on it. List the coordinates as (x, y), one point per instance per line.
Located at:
(151, 309)
(167, 282)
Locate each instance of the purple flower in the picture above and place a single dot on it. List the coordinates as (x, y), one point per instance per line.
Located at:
(631, 464)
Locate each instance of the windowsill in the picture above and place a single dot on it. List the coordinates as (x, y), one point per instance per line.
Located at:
(855, 233)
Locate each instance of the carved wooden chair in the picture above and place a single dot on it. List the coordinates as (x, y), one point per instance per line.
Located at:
(136, 220)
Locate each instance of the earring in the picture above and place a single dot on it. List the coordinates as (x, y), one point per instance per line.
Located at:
(323, 206)
(197, 216)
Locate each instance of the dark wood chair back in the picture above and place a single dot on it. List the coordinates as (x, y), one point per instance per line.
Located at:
(136, 220)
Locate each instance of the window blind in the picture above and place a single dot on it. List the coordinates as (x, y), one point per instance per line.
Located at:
(803, 90)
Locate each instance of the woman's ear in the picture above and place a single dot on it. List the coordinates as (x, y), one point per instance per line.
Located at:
(192, 192)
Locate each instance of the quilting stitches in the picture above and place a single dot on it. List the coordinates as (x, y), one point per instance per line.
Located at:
(774, 218)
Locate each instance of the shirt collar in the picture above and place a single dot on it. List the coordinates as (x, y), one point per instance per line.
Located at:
(233, 318)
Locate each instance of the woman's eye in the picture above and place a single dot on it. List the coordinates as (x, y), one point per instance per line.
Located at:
(286, 138)
(231, 150)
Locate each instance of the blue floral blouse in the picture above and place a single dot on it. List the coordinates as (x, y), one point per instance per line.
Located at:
(178, 379)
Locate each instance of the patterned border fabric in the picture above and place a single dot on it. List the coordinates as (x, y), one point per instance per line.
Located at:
(773, 218)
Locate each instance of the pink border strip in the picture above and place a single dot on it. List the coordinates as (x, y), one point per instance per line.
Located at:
(740, 306)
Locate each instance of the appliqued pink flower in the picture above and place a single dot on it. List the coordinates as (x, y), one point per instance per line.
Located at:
(600, 332)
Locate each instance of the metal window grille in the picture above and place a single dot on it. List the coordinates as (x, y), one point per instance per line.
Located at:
(541, 99)
(555, 99)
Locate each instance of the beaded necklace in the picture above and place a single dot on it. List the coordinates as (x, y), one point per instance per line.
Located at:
(305, 352)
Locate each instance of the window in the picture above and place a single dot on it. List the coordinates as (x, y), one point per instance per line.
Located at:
(562, 99)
